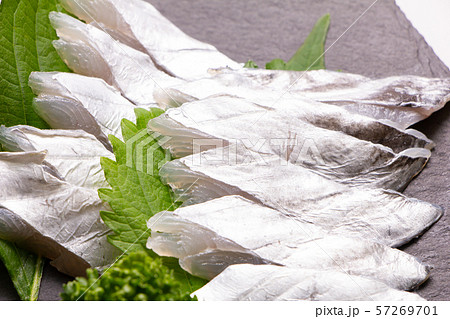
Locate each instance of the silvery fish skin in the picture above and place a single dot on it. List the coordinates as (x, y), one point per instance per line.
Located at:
(51, 217)
(74, 154)
(210, 236)
(90, 51)
(72, 101)
(349, 148)
(380, 215)
(268, 282)
(139, 24)
(401, 99)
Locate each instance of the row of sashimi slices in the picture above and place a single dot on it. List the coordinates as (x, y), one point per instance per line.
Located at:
(289, 179)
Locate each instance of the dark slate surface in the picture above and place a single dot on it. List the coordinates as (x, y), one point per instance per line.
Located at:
(7, 291)
(381, 43)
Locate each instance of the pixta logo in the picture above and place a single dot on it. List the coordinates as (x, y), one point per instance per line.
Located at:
(143, 152)
(283, 151)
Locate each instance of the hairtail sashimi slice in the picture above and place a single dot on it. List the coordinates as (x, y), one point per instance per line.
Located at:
(74, 154)
(210, 236)
(73, 101)
(51, 217)
(310, 111)
(352, 149)
(142, 26)
(380, 215)
(64, 113)
(90, 51)
(268, 282)
(103, 102)
(257, 85)
(404, 100)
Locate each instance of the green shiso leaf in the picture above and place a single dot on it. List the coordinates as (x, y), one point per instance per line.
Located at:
(310, 56)
(276, 64)
(137, 192)
(250, 65)
(24, 268)
(25, 46)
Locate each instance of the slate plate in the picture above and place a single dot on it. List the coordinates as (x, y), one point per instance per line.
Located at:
(381, 43)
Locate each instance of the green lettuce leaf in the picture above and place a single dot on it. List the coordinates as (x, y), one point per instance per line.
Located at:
(137, 192)
(25, 45)
(310, 56)
(24, 268)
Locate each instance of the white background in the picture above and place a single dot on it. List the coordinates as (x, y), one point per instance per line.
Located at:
(432, 19)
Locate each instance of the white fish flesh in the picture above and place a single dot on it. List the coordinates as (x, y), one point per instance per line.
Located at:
(350, 148)
(139, 24)
(269, 282)
(72, 101)
(105, 58)
(51, 217)
(90, 51)
(380, 215)
(401, 99)
(210, 236)
(74, 154)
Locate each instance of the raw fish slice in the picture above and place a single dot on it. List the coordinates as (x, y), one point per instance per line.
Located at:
(51, 217)
(331, 117)
(268, 282)
(259, 86)
(64, 113)
(74, 154)
(383, 216)
(144, 27)
(210, 236)
(401, 99)
(90, 51)
(352, 149)
(72, 101)
(404, 99)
